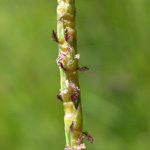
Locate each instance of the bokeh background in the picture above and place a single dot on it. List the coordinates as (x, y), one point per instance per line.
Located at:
(113, 40)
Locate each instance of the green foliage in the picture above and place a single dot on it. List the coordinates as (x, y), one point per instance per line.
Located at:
(113, 37)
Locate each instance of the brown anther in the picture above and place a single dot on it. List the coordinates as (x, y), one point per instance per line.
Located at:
(59, 97)
(62, 66)
(71, 126)
(54, 36)
(60, 18)
(59, 61)
(73, 97)
(89, 137)
(83, 68)
(67, 36)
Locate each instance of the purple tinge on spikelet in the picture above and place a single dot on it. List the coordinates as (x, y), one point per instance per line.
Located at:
(74, 96)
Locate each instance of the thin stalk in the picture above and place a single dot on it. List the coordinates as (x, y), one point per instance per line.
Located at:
(67, 61)
(68, 64)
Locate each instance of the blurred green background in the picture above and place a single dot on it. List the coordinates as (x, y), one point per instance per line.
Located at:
(113, 40)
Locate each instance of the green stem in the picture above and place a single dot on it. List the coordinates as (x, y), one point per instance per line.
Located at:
(68, 62)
